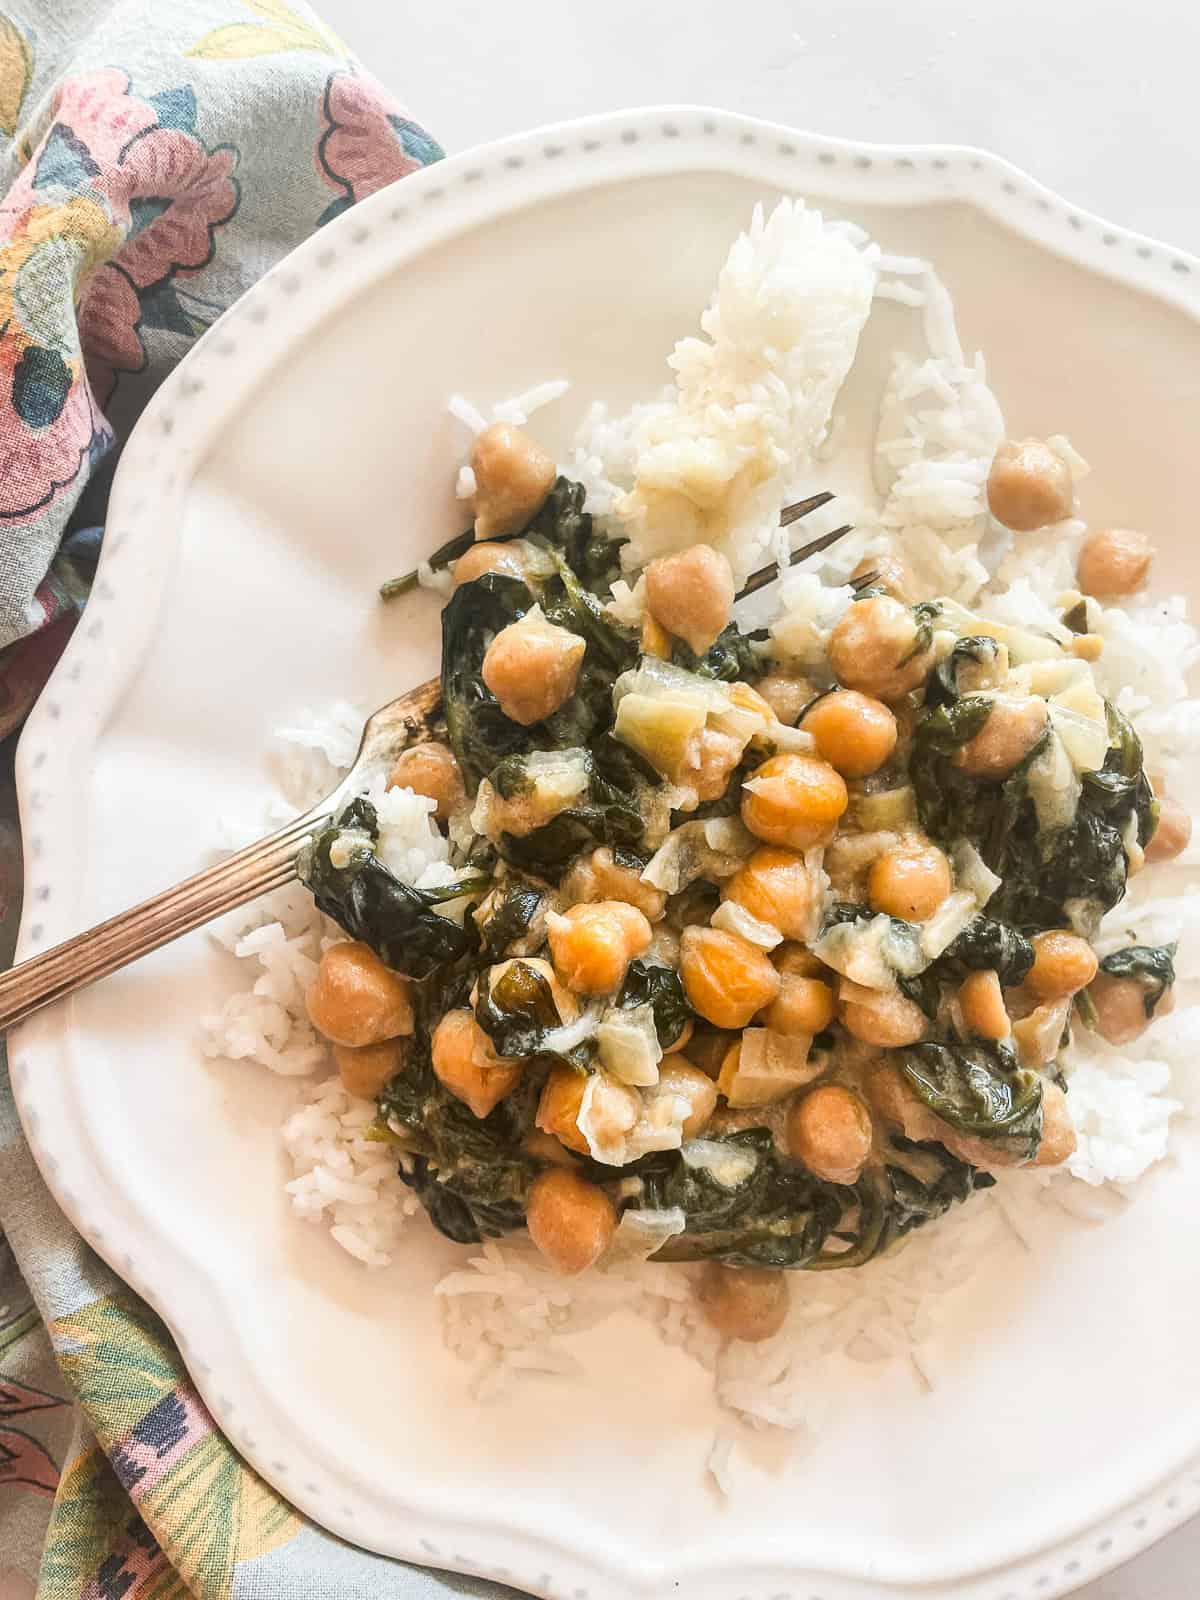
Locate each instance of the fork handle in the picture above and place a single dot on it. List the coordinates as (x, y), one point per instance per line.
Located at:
(258, 868)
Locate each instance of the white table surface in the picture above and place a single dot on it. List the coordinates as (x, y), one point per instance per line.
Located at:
(1095, 98)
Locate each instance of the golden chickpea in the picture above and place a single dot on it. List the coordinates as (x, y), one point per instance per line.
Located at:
(802, 1006)
(1029, 485)
(829, 1129)
(875, 648)
(1058, 1131)
(354, 999)
(883, 1017)
(691, 594)
(1014, 725)
(981, 1001)
(748, 1303)
(787, 694)
(558, 1107)
(889, 573)
(1063, 963)
(506, 559)
(532, 667)
(430, 769)
(854, 733)
(678, 1076)
(592, 944)
(727, 979)
(776, 887)
(1087, 646)
(513, 476)
(794, 801)
(1120, 1005)
(466, 1063)
(600, 876)
(798, 959)
(365, 1070)
(1114, 562)
(909, 881)
(570, 1220)
(1173, 832)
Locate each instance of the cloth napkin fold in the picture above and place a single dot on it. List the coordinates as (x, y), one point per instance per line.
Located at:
(155, 159)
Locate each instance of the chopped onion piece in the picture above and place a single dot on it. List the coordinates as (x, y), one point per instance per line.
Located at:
(627, 1041)
(730, 917)
(971, 872)
(948, 921)
(640, 1233)
(727, 1164)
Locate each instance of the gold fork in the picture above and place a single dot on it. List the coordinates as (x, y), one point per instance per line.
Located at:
(266, 865)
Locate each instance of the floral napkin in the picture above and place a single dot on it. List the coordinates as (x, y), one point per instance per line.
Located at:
(155, 159)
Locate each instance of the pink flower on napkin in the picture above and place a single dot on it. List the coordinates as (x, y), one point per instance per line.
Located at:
(368, 141)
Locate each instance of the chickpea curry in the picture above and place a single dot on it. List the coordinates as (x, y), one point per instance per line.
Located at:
(752, 966)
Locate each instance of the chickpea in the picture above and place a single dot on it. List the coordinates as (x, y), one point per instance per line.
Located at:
(691, 594)
(1058, 1131)
(558, 1107)
(875, 648)
(513, 476)
(466, 1063)
(532, 667)
(1173, 831)
(798, 959)
(1014, 725)
(1120, 1005)
(883, 1017)
(592, 944)
(889, 573)
(802, 1006)
(430, 769)
(794, 801)
(1114, 562)
(776, 887)
(854, 733)
(678, 1076)
(981, 1001)
(909, 881)
(1029, 485)
(787, 694)
(365, 1070)
(570, 1220)
(1087, 646)
(829, 1129)
(601, 877)
(726, 978)
(850, 857)
(1063, 963)
(506, 559)
(748, 1303)
(354, 999)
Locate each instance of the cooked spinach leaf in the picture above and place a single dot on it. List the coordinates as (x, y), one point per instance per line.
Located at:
(985, 942)
(943, 688)
(470, 1173)
(368, 901)
(564, 525)
(479, 732)
(518, 1012)
(508, 918)
(731, 657)
(603, 814)
(662, 988)
(979, 1090)
(1151, 965)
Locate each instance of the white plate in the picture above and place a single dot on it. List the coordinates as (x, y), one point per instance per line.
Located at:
(298, 456)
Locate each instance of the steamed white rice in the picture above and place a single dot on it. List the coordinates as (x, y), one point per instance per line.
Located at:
(740, 431)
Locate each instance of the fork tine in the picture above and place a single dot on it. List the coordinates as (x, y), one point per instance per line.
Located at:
(759, 580)
(801, 508)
